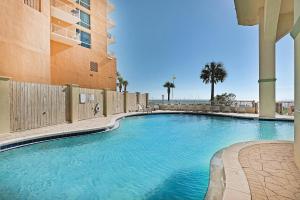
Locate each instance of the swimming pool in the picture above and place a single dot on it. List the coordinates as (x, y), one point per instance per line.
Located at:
(152, 157)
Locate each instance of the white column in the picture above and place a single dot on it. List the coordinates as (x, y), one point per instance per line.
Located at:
(296, 35)
(267, 80)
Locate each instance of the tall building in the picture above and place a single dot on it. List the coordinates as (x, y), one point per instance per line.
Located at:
(57, 42)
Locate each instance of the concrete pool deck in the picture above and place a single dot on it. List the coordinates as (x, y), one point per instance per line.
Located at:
(250, 170)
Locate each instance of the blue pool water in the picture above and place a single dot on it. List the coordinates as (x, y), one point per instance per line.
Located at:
(156, 157)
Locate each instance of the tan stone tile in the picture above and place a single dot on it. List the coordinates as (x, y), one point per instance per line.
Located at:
(256, 165)
(275, 165)
(285, 193)
(270, 193)
(291, 188)
(263, 173)
(284, 198)
(273, 198)
(274, 187)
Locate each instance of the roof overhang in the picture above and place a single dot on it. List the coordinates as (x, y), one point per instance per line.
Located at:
(248, 10)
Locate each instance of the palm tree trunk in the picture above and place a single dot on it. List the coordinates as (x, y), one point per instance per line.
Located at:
(168, 94)
(212, 93)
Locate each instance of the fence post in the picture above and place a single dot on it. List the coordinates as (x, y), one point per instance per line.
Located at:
(138, 98)
(74, 102)
(106, 103)
(280, 108)
(147, 99)
(126, 101)
(4, 105)
(256, 108)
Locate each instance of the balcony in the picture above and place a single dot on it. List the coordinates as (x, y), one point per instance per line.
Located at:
(64, 12)
(111, 55)
(110, 23)
(64, 35)
(110, 7)
(110, 39)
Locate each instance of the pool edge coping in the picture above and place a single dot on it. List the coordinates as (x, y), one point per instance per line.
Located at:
(43, 137)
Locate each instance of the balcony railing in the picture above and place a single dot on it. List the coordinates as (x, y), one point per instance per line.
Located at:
(65, 7)
(285, 107)
(84, 4)
(35, 4)
(110, 7)
(111, 40)
(110, 23)
(111, 55)
(65, 32)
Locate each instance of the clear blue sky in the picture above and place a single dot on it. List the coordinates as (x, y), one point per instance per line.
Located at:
(159, 38)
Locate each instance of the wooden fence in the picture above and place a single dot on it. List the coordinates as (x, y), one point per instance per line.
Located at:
(37, 105)
(142, 99)
(93, 98)
(132, 104)
(115, 102)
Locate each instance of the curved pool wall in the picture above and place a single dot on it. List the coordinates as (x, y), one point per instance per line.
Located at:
(148, 157)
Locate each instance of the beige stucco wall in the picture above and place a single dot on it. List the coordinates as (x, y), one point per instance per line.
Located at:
(24, 41)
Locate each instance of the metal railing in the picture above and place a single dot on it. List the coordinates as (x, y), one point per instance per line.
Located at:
(84, 4)
(65, 7)
(85, 25)
(285, 107)
(111, 54)
(110, 23)
(110, 7)
(110, 39)
(243, 103)
(65, 32)
(35, 4)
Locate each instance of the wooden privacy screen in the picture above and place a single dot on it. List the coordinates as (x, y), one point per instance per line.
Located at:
(37, 105)
(87, 110)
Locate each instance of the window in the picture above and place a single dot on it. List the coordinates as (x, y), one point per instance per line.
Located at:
(84, 3)
(85, 38)
(85, 20)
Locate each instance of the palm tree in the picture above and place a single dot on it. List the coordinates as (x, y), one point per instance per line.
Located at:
(120, 83)
(169, 85)
(213, 73)
(118, 74)
(125, 84)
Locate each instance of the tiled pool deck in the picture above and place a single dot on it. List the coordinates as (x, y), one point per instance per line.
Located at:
(271, 171)
(252, 170)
